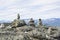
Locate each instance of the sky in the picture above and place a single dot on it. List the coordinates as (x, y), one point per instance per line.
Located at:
(35, 9)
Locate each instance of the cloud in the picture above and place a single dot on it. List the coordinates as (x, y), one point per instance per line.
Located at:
(29, 8)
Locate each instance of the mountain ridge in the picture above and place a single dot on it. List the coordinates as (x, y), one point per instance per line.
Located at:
(48, 22)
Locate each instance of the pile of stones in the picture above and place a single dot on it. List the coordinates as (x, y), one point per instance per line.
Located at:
(19, 30)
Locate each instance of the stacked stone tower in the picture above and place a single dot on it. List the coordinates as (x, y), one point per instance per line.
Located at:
(40, 22)
(18, 16)
(17, 22)
(31, 22)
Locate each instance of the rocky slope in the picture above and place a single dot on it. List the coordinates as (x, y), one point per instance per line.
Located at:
(30, 33)
(19, 30)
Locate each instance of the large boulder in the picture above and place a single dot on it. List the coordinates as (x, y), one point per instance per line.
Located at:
(18, 23)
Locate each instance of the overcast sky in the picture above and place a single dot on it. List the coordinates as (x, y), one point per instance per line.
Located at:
(29, 9)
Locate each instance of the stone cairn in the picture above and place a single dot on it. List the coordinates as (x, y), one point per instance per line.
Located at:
(40, 22)
(17, 22)
(31, 22)
(18, 16)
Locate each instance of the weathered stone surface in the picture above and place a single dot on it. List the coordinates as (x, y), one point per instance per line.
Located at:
(29, 33)
(18, 23)
(2, 26)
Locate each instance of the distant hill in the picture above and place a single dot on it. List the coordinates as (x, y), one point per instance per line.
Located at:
(52, 22)
(5, 21)
(48, 22)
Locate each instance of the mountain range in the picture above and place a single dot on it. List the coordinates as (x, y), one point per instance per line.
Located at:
(48, 22)
(52, 22)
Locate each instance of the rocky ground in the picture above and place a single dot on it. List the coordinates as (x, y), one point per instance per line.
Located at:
(29, 33)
